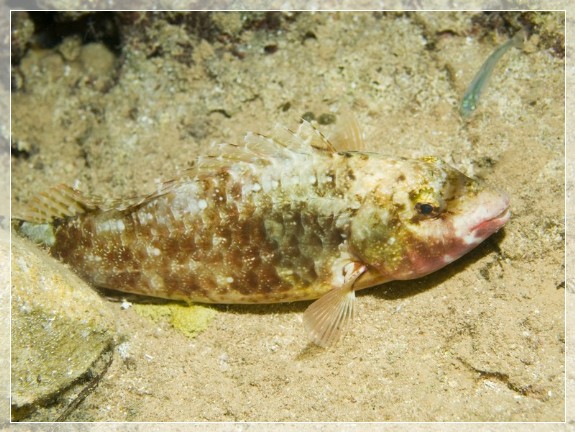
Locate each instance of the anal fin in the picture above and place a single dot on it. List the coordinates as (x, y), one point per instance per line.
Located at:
(327, 318)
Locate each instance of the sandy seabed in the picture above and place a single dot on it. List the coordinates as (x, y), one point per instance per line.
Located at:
(481, 340)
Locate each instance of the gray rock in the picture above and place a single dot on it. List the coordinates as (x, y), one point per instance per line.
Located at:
(62, 335)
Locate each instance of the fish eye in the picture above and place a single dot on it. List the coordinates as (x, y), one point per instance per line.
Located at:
(425, 209)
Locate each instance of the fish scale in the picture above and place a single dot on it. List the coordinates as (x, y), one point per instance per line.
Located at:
(280, 218)
(196, 243)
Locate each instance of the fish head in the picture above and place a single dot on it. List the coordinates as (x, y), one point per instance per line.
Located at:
(431, 215)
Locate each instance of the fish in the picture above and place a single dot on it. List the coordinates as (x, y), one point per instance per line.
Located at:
(279, 218)
(473, 93)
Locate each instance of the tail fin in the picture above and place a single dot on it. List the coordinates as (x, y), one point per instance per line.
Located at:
(60, 202)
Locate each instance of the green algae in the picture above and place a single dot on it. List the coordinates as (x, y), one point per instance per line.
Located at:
(189, 320)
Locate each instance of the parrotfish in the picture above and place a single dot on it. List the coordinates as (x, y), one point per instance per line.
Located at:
(279, 218)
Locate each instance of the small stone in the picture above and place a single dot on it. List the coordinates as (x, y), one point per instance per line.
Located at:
(326, 119)
(70, 48)
(308, 116)
(97, 60)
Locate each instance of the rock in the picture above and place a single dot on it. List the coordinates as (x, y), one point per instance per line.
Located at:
(62, 335)
(4, 321)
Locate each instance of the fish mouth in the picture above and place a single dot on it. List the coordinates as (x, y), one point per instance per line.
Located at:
(493, 224)
(503, 217)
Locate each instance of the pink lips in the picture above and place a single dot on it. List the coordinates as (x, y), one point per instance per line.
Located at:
(489, 226)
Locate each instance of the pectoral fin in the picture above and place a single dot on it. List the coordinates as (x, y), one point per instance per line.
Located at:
(326, 318)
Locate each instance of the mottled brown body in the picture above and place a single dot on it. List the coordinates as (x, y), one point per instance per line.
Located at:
(236, 243)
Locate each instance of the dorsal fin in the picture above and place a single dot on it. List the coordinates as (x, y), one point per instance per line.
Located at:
(304, 140)
(310, 136)
(348, 135)
(282, 143)
(257, 149)
(63, 201)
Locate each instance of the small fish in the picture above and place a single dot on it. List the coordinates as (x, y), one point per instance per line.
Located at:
(473, 92)
(277, 219)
